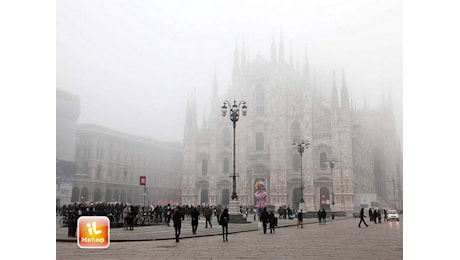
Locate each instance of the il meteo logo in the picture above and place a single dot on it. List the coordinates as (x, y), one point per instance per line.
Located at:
(93, 232)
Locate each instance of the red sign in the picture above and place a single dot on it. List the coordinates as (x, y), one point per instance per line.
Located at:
(142, 180)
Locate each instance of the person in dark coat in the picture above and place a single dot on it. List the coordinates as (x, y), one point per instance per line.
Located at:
(361, 216)
(271, 219)
(194, 215)
(300, 219)
(223, 221)
(264, 218)
(324, 215)
(320, 216)
(177, 218)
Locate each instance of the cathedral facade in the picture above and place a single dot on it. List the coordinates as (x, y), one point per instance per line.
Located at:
(284, 106)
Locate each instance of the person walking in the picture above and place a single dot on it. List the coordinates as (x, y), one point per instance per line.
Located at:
(177, 218)
(207, 215)
(300, 219)
(194, 214)
(264, 218)
(323, 215)
(320, 216)
(271, 220)
(361, 216)
(385, 215)
(223, 221)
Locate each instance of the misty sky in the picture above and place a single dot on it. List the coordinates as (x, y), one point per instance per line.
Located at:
(134, 63)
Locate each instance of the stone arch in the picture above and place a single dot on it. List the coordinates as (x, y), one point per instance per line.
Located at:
(75, 194)
(324, 199)
(108, 195)
(84, 194)
(97, 194)
(203, 190)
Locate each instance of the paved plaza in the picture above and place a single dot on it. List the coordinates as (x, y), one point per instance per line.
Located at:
(338, 239)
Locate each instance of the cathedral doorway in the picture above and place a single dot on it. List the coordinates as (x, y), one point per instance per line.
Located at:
(225, 198)
(97, 194)
(204, 197)
(296, 196)
(85, 194)
(324, 200)
(75, 194)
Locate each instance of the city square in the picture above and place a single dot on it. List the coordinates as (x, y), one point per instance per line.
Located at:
(337, 239)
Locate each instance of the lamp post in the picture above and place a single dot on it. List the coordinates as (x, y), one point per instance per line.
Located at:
(234, 116)
(331, 163)
(301, 148)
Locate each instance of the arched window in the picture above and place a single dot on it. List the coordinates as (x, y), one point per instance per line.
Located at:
(226, 137)
(323, 160)
(260, 100)
(204, 167)
(259, 141)
(225, 166)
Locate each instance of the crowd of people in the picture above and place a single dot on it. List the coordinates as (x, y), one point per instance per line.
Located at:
(130, 215)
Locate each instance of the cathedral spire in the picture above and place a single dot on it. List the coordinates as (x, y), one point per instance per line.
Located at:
(273, 49)
(243, 57)
(335, 97)
(236, 64)
(306, 70)
(344, 92)
(281, 48)
(214, 85)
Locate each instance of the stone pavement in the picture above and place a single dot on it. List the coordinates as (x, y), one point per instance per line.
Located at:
(338, 239)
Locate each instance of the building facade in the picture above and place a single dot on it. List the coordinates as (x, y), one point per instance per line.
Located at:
(110, 165)
(67, 113)
(284, 106)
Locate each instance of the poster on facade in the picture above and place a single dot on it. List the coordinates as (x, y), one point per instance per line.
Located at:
(142, 180)
(260, 193)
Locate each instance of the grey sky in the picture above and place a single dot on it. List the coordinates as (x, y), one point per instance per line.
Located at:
(134, 63)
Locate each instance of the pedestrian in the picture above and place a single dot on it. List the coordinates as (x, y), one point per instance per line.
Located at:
(194, 215)
(131, 215)
(379, 215)
(223, 221)
(320, 216)
(168, 214)
(264, 218)
(300, 219)
(385, 219)
(375, 216)
(177, 218)
(361, 216)
(126, 211)
(207, 215)
(271, 220)
(371, 217)
(323, 214)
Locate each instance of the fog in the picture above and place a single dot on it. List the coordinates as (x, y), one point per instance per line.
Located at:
(135, 63)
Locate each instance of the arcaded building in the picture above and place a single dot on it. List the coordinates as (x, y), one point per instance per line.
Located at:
(110, 165)
(284, 105)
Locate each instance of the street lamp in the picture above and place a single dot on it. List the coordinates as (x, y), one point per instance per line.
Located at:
(234, 116)
(331, 163)
(301, 148)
